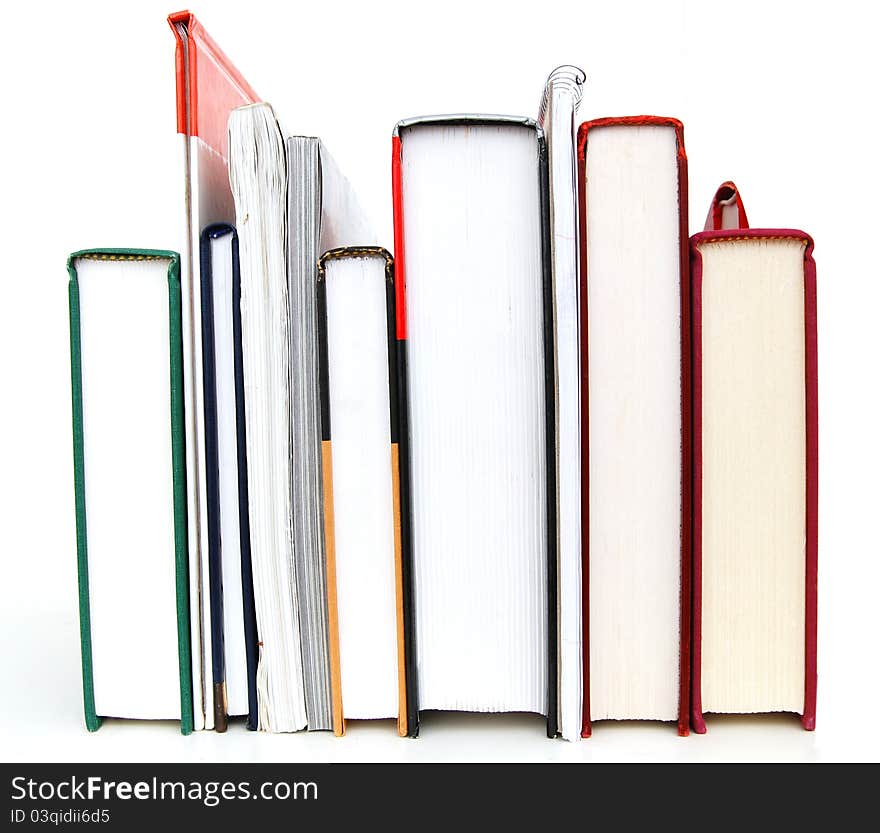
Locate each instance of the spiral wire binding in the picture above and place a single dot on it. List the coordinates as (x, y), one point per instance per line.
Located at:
(565, 77)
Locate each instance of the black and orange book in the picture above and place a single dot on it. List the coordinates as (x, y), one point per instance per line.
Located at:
(364, 450)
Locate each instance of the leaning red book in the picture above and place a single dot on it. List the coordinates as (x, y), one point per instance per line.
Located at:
(208, 87)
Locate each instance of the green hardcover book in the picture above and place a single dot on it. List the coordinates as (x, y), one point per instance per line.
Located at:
(130, 482)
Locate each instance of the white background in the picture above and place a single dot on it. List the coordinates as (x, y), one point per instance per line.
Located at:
(782, 98)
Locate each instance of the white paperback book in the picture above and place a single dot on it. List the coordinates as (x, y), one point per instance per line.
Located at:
(258, 176)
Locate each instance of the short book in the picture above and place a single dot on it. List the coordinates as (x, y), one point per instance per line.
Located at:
(130, 481)
(755, 467)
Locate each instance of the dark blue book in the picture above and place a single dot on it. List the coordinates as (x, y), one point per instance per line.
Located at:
(233, 617)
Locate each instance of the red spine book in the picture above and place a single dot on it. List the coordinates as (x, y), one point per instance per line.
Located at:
(727, 224)
(586, 132)
(410, 720)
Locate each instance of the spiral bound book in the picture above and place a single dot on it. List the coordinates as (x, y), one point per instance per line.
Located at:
(562, 94)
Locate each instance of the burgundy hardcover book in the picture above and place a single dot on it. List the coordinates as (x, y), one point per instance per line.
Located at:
(635, 412)
(755, 432)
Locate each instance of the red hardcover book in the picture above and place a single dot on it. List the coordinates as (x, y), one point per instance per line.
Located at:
(635, 412)
(208, 87)
(755, 435)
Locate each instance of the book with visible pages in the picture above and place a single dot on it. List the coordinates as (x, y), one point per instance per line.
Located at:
(636, 420)
(474, 331)
(208, 86)
(129, 478)
(363, 443)
(323, 214)
(280, 358)
(562, 94)
(755, 467)
(258, 176)
(233, 620)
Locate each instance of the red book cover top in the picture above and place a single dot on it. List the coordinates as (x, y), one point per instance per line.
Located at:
(208, 84)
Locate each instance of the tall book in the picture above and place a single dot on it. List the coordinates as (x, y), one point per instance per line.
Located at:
(208, 87)
(562, 94)
(365, 489)
(636, 420)
(129, 477)
(474, 333)
(755, 467)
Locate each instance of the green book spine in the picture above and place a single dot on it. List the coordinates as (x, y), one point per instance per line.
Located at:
(178, 467)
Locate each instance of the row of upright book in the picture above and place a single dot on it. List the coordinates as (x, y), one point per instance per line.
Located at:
(551, 456)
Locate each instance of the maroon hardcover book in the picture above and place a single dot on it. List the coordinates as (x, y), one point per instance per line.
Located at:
(584, 133)
(727, 223)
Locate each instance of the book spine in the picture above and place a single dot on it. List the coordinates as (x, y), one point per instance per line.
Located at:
(406, 530)
(180, 23)
(685, 601)
(92, 720)
(212, 480)
(697, 722)
(338, 717)
(402, 514)
(247, 577)
(178, 458)
(811, 373)
(586, 723)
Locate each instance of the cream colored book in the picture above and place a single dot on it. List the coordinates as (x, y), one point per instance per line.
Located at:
(755, 467)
